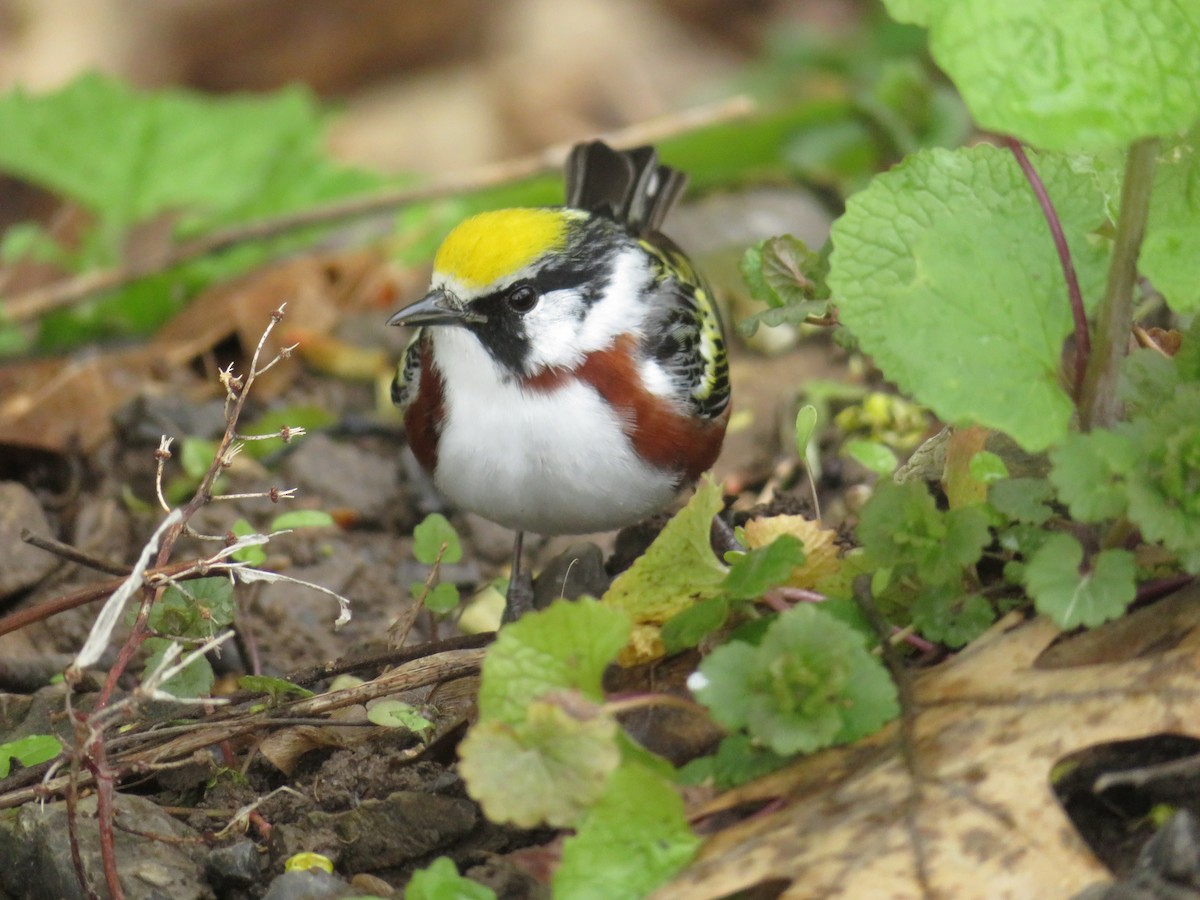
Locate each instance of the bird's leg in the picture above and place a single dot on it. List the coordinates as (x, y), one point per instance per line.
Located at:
(519, 599)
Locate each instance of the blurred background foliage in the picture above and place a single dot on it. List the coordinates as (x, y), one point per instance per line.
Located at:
(130, 127)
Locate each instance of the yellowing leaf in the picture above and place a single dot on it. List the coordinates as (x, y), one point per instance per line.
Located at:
(820, 550)
(645, 645)
(679, 567)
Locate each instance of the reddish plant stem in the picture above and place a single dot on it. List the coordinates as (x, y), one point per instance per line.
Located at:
(1153, 590)
(97, 762)
(1083, 343)
(73, 831)
(43, 611)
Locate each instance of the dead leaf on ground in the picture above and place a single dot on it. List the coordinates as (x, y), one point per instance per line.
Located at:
(973, 814)
(317, 289)
(67, 402)
(64, 403)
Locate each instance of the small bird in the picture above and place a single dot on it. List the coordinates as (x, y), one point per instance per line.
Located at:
(569, 373)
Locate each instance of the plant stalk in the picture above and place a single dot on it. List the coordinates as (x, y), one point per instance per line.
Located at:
(1099, 406)
(1083, 348)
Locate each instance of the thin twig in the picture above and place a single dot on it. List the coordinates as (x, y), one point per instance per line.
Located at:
(73, 554)
(1083, 344)
(39, 301)
(161, 455)
(21, 618)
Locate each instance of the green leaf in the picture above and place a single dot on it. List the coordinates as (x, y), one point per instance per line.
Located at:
(914, 12)
(252, 554)
(806, 424)
(1073, 598)
(432, 534)
(564, 647)
(922, 271)
(810, 683)
(874, 456)
(633, 840)
(678, 568)
(194, 162)
(737, 760)
(196, 679)
(276, 688)
(196, 455)
(218, 159)
(548, 768)
(398, 714)
(1089, 473)
(781, 315)
(302, 518)
(987, 467)
(755, 572)
(28, 751)
(440, 881)
(310, 418)
(1164, 486)
(791, 273)
(442, 598)
(693, 624)
(901, 525)
(30, 241)
(1174, 225)
(197, 608)
(944, 615)
(1022, 499)
(1072, 74)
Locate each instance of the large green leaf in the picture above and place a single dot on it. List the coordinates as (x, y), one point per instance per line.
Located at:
(1070, 74)
(945, 271)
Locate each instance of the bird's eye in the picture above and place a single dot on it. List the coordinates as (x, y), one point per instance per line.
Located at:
(521, 298)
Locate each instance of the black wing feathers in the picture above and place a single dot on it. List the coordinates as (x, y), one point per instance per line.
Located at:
(628, 186)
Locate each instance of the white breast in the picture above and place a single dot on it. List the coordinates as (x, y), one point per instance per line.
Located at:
(554, 462)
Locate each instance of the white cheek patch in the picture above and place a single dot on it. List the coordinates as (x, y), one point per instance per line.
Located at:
(552, 329)
(621, 308)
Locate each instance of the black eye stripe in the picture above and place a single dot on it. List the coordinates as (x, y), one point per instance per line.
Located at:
(558, 279)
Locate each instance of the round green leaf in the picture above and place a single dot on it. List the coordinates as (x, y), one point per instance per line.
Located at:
(1072, 74)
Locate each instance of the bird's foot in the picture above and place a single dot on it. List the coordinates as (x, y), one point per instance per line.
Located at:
(519, 599)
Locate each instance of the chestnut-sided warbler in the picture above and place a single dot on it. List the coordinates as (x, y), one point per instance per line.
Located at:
(569, 372)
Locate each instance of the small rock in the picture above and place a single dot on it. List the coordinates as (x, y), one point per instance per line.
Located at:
(492, 542)
(311, 884)
(1168, 868)
(146, 418)
(238, 865)
(24, 565)
(35, 853)
(372, 886)
(576, 571)
(405, 825)
(343, 476)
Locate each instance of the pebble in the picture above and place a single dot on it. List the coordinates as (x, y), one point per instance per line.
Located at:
(24, 565)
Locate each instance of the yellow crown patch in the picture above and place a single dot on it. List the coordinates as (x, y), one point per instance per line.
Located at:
(491, 245)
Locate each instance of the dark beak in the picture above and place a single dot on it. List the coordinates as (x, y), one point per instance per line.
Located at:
(438, 307)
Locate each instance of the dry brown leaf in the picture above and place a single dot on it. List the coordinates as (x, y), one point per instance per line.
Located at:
(283, 748)
(66, 403)
(973, 813)
(317, 289)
